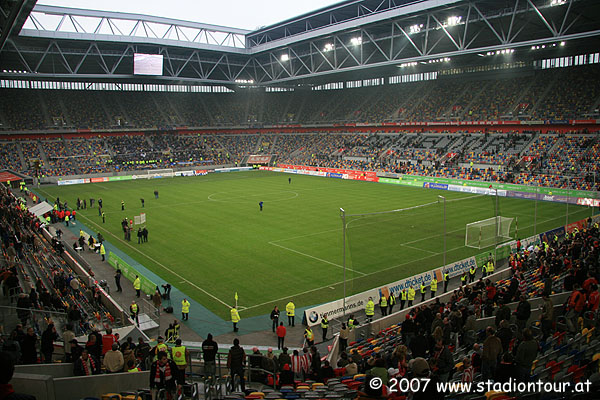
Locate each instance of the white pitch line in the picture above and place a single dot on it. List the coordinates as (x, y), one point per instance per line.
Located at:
(416, 248)
(316, 258)
(365, 275)
(158, 263)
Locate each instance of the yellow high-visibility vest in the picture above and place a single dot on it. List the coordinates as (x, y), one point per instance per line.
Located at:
(235, 316)
(290, 309)
(185, 306)
(403, 295)
(137, 284)
(411, 294)
(423, 288)
(179, 355)
(434, 285)
(309, 335)
(370, 308)
(383, 302)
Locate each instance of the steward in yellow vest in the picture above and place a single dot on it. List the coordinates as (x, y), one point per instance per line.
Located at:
(411, 296)
(185, 309)
(324, 326)
(370, 309)
(433, 287)
(235, 318)
(290, 310)
(180, 356)
(383, 305)
(446, 280)
(403, 297)
(309, 336)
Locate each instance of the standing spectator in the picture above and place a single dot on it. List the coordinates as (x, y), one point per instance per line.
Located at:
(118, 275)
(297, 365)
(236, 359)
(76, 350)
(275, 318)
(526, 354)
(468, 371)
(23, 306)
(505, 334)
(344, 333)
(281, 331)
(209, 352)
(93, 346)
(48, 338)
(522, 313)
(28, 347)
(164, 375)
(86, 365)
(108, 340)
(157, 300)
(315, 363)
(142, 350)
(444, 361)
(284, 357)
(492, 347)
(547, 317)
(113, 360)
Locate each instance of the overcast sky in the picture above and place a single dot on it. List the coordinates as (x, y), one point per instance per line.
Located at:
(244, 14)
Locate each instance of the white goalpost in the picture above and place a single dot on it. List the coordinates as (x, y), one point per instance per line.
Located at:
(160, 173)
(488, 232)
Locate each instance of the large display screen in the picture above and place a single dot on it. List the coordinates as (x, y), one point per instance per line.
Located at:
(147, 64)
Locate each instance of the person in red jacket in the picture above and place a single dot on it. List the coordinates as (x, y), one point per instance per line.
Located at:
(108, 340)
(281, 331)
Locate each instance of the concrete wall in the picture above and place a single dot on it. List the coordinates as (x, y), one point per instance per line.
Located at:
(45, 387)
(57, 370)
(40, 386)
(76, 388)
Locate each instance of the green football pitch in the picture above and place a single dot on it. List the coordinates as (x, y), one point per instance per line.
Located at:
(208, 237)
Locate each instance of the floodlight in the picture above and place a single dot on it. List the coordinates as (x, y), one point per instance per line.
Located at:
(356, 41)
(284, 57)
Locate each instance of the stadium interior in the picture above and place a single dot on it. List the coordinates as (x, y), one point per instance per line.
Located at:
(480, 93)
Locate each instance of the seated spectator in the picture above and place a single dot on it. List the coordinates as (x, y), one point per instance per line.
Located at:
(326, 371)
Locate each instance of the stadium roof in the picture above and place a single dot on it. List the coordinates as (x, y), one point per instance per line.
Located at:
(360, 37)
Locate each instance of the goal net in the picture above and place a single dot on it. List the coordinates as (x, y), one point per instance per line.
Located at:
(488, 232)
(161, 173)
(384, 246)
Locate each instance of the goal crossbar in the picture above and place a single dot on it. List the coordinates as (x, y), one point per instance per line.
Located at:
(488, 232)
